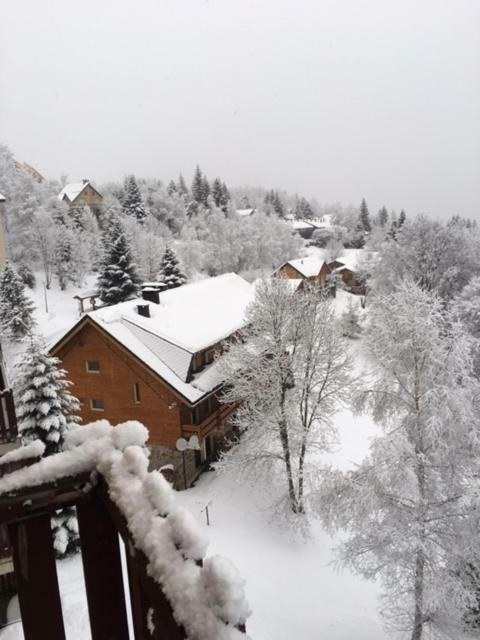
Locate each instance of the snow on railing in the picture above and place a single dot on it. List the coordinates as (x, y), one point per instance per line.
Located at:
(34, 449)
(207, 596)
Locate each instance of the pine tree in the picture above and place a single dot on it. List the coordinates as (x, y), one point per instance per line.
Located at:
(182, 187)
(383, 217)
(197, 186)
(205, 191)
(132, 201)
(217, 192)
(63, 255)
(46, 411)
(171, 188)
(225, 199)
(170, 272)
(118, 278)
(401, 218)
(16, 319)
(364, 216)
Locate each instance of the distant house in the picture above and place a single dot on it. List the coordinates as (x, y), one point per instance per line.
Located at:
(152, 359)
(311, 269)
(315, 269)
(77, 194)
(3, 244)
(243, 213)
(32, 172)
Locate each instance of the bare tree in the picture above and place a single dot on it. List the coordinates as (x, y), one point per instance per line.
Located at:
(290, 373)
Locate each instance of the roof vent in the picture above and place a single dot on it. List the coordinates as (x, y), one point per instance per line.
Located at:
(143, 310)
(151, 294)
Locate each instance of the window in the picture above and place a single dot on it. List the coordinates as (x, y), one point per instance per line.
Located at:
(136, 393)
(97, 405)
(195, 415)
(93, 366)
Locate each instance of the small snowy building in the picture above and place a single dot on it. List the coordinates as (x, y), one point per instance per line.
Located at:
(77, 194)
(315, 269)
(152, 359)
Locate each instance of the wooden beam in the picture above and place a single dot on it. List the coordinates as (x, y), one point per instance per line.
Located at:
(36, 578)
(44, 499)
(102, 570)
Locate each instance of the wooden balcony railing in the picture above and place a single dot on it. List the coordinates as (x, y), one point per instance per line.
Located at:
(8, 420)
(26, 508)
(210, 423)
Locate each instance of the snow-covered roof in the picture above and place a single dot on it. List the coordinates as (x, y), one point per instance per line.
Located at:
(188, 319)
(245, 212)
(73, 190)
(308, 267)
(325, 222)
(300, 224)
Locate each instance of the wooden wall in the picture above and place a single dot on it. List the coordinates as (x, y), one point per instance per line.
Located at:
(159, 407)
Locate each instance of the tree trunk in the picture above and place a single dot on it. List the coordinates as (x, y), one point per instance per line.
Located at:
(282, 425)
(417, 631)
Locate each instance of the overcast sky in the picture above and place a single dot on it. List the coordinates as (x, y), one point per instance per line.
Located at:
(333, 99)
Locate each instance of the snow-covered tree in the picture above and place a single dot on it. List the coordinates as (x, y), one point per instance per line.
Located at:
(350, 322)
(410, 509)
(16, 310)
(466, 307)
(26, 275)
(118, 279)
(132, 200)
(46, 410)
(198, 186)
(382, 217)
(364, 217)
(290, 373)
(182, 186)
(439, 258)
(170, 273)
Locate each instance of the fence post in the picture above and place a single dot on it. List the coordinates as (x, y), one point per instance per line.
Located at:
(36, 578)
(102, 569)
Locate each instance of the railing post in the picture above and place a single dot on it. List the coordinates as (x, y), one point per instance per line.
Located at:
(138, 597)
(102, 569)
(36, 578)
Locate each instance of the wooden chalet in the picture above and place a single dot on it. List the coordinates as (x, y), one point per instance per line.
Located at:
(77, 194)
(152, 359)
(316, 270)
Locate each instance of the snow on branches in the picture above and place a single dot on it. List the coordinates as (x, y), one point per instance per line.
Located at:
(410, 509)
(290, 374)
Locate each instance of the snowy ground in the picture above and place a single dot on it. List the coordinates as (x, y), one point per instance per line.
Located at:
(293, 590)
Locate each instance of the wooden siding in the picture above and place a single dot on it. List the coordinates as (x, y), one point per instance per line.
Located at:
(287, 271)
(159, 407)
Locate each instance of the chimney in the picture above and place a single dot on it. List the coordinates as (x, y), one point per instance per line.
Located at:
(143, 310)
(151, 294)
(85, 181)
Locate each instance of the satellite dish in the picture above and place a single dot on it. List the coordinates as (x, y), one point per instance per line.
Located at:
(193, 443)
(181, 444)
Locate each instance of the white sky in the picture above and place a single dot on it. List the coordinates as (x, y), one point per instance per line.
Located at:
(336, 99)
